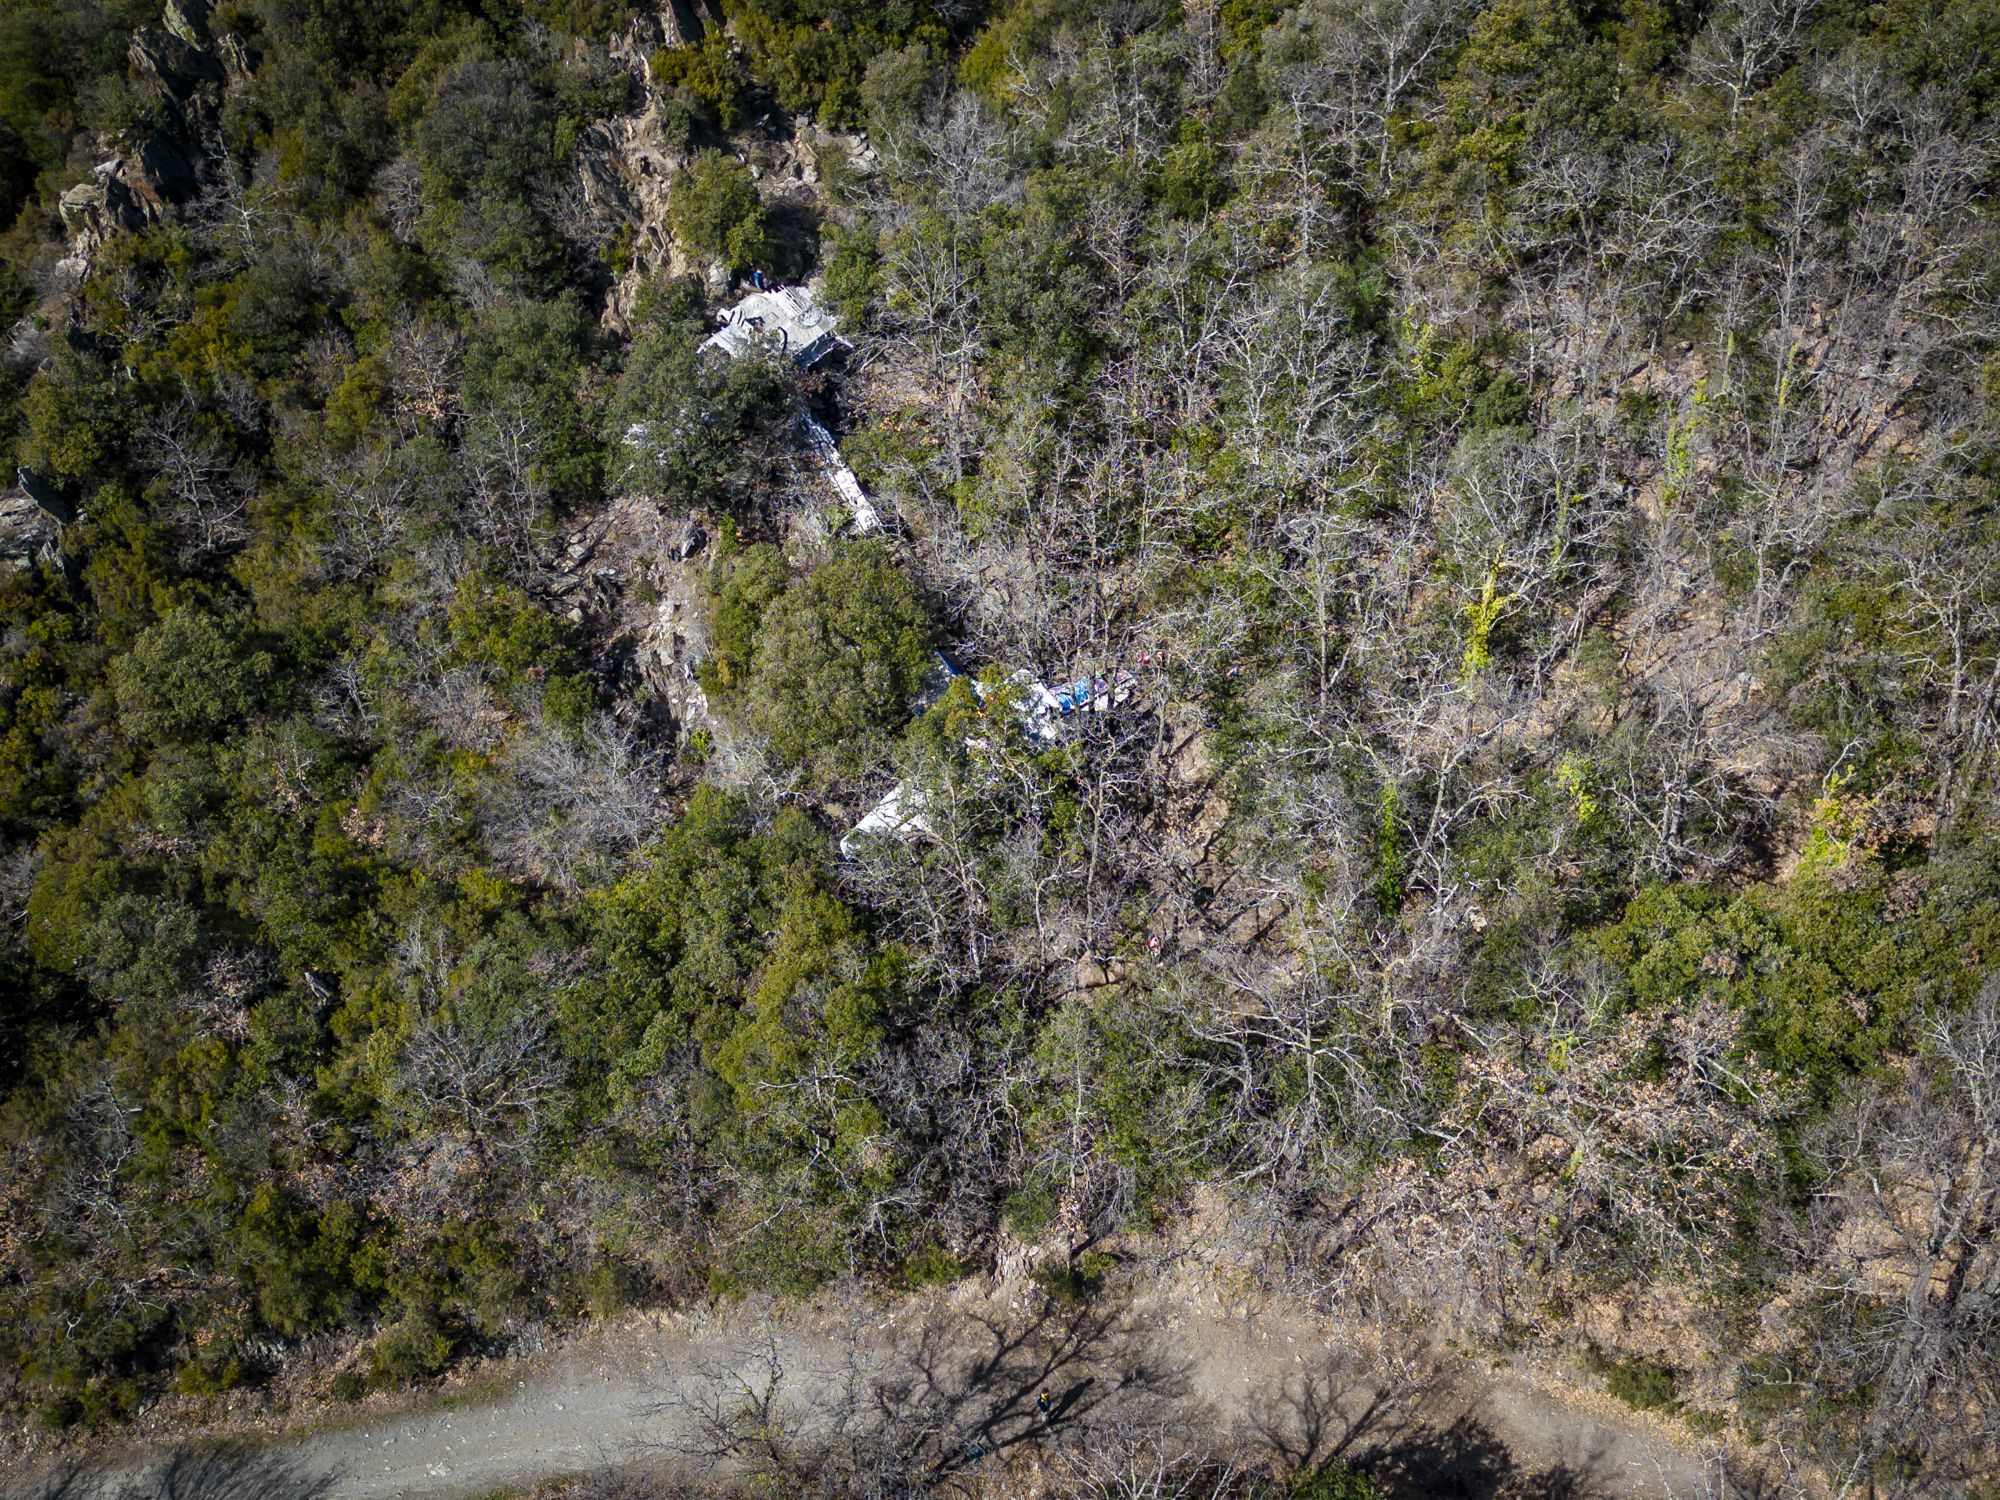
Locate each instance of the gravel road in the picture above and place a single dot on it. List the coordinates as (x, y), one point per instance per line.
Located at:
(961, 1368)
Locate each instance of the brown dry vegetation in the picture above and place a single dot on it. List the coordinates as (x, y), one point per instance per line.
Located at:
(1533, 459)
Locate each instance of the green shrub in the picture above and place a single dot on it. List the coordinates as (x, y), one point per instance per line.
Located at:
(714, 211)
(709, 72)
(1337, 1480)
(1826, 970)
(211, 1375)
(1017, 31)
(497, 626)
(749, 583)
(523, 366)
(610, 1286)
(190, 675)
(1503, 403)
(814, 54)
(930, 1265)
(487, 144)
(1030, 1209)
(1641, 1383)
(411, 1349)
(839, 657)
(688, 413)
(853, 275)
(1062, 1282)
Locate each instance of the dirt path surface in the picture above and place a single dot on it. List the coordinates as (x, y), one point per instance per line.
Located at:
(941, 1374)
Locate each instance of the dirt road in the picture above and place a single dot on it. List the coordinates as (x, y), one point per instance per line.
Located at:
(937, 1375)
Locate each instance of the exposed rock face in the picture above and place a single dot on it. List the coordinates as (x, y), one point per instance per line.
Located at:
(628, 164)
(189, 68)
(31, 517)
(178, 68)
(94, 211)
(681, 23)
(188, 20)
(126, 193)
(635, 571)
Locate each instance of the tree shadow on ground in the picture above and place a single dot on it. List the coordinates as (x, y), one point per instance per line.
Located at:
(1467, 1461)
(982, 1389)
(1418, 1439)
(226, 1472)
(794, 238)
(954, 1388)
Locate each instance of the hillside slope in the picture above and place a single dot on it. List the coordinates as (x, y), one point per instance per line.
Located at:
(1416, 667)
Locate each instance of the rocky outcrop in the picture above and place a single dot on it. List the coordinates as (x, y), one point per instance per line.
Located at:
(188, 20)
(189, 68)
(627, 165)
(32, 514)
(635, 573)
(178, 68)
(93, 211)
(126, 193)
(682, 23)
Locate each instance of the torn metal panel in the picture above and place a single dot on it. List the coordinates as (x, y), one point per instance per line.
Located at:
(937, 681)
(898, 815)
(790, 321)
(866, 517)
(1088, 695)
(1044, 709)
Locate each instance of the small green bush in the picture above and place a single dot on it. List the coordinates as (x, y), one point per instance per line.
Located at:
(931, 1265)
(1641, 1383)
(413, 1348)
(1337, 1480)
(609, 1287)
(1030, 1209)
(709, 72)
(1074, 1281)
(714, 211)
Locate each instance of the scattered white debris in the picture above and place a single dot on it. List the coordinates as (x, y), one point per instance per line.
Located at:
(1044, 710)
(792, 322)
(898, 815)
(866, 517)
(1086, 695)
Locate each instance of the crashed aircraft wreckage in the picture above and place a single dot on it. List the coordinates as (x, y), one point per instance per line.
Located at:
(1045, 712)
(789, 321)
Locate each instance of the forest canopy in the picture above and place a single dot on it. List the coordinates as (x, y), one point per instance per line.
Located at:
(1514, 481)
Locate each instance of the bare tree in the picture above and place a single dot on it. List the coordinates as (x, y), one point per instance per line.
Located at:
(570, 799)
(1904, 1239)
(205, 493)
